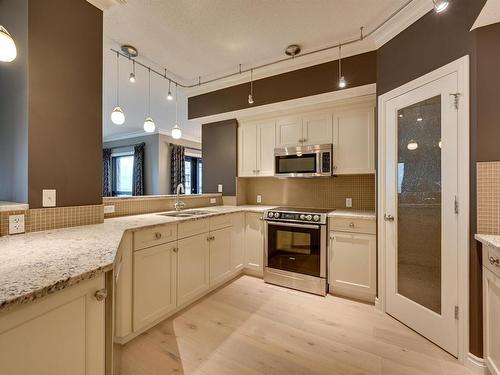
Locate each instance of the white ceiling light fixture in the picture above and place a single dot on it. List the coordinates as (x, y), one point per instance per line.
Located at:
(117, 115)
(169, 95)
(8, 50)
(342, 81)
(440, 5)
(176, 130)
(131, 78)
(412, 145)
(250, 96)
(149, 125)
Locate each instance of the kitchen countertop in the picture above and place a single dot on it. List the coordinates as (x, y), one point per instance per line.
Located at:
(354, 214)
(12, 206)
(35, 264)
(490, 240)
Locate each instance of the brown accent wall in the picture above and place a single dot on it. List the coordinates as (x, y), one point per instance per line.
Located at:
(318, 79)
(431, 42)
(65, 102)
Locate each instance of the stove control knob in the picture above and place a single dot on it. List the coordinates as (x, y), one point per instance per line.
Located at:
(270, 214)
(309, 217)
(276, 215)
(302, 217)
(316, 217)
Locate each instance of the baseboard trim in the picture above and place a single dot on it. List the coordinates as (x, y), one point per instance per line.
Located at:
(378, 304)
(476, 364)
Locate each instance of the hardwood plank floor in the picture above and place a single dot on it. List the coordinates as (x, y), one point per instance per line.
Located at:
(248, 327)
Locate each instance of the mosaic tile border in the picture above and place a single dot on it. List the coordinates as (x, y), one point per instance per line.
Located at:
(488, 197)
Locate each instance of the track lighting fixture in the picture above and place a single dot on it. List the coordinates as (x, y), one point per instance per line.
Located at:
(176, 130)
(250, 96)
(8, 50)
(149, 125)
(440, 5)
(169, 95)
(131, 78)
(117, 115)
(342, 81)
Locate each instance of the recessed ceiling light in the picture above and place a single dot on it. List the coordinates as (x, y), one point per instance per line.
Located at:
(419, 119)
(412, 145)
(440, 5)
(400, 115)
(292, 50)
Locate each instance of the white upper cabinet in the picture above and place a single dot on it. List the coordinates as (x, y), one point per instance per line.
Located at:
(317, 128)
(353, 141)
(289, 131)
(256, 149)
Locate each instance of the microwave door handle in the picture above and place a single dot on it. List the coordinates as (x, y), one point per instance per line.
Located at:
(307, 226)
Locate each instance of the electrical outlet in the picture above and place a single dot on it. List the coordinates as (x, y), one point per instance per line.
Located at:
(259, 198)
(348, 202)
(48, 197)
(16, 224)
(219, 188)
(213, 200)
(109, 209)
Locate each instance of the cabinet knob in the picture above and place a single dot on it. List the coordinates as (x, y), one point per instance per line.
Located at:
(175, 249)
(388, 217)
(494, 261)
(351, 225)
(334, 167)
(157, 235)
(101, 294)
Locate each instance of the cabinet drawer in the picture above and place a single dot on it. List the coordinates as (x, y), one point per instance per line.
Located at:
(491, 259)
(221, 221)
(154, 236)
(193, 227)
(353, 225)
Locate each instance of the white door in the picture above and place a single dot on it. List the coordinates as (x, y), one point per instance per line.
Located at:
(317, 128)
(289, 131)
(265, 149)
(421, 225)
(247, 146)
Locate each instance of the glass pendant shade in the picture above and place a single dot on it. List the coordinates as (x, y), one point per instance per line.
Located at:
(117, 116)
(131, 78)
(250, 99)
(149, 125)
(440, 5)
(8, 50)
(176, 132)
(170, 96)
(342, 82)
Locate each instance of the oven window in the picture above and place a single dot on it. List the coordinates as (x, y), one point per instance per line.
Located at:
(294, 249)
(296, 164)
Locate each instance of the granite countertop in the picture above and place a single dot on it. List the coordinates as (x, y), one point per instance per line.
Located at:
(12, 206)
(35, 264)
(354, 214)
(490, 240)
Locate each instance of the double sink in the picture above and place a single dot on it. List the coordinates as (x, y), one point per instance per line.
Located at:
(187, 213)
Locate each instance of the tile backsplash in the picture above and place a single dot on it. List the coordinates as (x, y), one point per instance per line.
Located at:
(488, 197)
(327, 192)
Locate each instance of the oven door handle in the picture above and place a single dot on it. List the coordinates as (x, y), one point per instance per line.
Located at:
(307, 226)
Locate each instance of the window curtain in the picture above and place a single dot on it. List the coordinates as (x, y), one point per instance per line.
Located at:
(138, 172)
(177, 172)
(107, 180)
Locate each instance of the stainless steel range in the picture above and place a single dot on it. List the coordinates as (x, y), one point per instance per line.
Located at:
(296, 248)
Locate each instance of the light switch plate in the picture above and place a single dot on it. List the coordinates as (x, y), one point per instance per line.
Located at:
(259, 198)
(49, 197)
(219, 188)
(348, 202)
(109, 209)
(213, 200)
(16, 224)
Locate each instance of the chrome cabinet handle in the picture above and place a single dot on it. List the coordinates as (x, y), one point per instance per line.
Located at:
(101, 294)
(388, 217)
(494, 261)
(157, 235)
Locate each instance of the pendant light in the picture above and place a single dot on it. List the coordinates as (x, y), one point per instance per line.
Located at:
(176, 130)
(149, 125)
(117, 115)
(8, 50)
(250, 96)
(342, 81)
(440, 5)
(412, 145)
(131, 78)
(169, 95)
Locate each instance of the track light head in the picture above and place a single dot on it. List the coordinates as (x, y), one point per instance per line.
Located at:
(342, 82)
(440, 5)
(250, 99)
(131, 78)
(170, 96)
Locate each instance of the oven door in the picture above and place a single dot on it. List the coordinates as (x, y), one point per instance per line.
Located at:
(297, 248)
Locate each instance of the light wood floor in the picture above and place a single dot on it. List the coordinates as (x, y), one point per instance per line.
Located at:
(248, 327)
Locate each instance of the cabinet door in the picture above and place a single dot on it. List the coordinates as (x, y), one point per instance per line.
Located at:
(254, 242)
(265, 149)
(288, 131)
(247, 150)
(60, 334)
(353, 141)
(238, 242)
(154, 283)
(318, 128)
(193, 268)
(491, 317)
(352, 265)
(220, 256)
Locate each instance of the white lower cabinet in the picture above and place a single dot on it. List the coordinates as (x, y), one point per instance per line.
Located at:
(238, 242)
(193, 268)
(220, 256)
(155, 272)
(491, 320)
(61, 334)
(352, 264)
(254, 243)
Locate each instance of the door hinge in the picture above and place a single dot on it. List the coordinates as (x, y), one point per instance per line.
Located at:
(456, 99)
(456, 204)
(456, 312)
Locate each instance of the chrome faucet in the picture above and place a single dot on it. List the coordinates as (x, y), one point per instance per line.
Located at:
(178, 204)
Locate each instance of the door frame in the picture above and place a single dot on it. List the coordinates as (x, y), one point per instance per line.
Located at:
(461, 67)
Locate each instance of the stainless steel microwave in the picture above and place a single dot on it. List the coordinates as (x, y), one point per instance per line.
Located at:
(303, 161)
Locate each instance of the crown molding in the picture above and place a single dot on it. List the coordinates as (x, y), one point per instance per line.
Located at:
(142, 133)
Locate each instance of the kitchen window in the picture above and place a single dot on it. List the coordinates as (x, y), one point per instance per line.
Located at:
(193, 173)
(123, 166)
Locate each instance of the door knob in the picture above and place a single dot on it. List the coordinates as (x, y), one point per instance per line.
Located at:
(388, 217)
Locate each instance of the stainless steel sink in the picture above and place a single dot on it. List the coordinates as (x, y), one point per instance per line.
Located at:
(190, 213)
